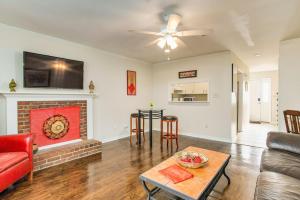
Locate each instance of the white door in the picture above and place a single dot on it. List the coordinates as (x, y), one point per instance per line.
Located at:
(260, 100)
(254, 92)
(265, 105)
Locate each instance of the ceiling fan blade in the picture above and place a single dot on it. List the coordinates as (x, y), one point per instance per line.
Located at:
(173, 22)
(180, 42)
(145, 32)
(152, 42)
(193, 33)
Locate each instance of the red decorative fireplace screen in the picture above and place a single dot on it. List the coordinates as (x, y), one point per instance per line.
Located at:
(55, 125)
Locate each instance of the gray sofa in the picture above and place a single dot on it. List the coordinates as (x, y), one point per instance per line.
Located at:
(280, 168)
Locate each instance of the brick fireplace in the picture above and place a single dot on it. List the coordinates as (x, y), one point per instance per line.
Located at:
(24, 108)
(18, 107)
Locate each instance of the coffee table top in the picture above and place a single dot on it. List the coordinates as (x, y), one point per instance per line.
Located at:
(194, 187)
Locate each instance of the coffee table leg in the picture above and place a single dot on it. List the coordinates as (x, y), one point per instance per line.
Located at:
(147, 190)
(226, 176)
(150, 193)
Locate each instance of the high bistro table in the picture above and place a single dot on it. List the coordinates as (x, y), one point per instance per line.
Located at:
(148, 114)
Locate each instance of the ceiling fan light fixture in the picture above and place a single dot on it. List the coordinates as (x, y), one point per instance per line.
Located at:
(171, 42)
(167, 50)
(173, 45)
(161, 43)
(169, 37)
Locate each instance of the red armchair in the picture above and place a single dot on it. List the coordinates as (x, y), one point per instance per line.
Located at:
(15, 159)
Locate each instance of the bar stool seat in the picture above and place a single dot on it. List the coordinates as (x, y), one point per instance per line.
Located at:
(134, 117)
(169, 117)
(169, 135)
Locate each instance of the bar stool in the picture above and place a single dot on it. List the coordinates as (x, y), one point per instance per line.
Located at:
(134, 117)
(169, 135)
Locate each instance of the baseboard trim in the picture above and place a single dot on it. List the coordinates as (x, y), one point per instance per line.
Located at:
(202, 136)
(105, 140)
(227, 140)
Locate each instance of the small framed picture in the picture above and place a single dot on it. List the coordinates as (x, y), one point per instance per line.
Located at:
(187, 74)
(131, 83)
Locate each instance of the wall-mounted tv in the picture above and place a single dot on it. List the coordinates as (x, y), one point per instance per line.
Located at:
(51, 72)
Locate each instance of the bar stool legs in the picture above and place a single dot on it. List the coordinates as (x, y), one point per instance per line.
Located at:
(169, 135)
(130, 129)
(161, 133)
(177, 133)
(134, 117)
(137, 128)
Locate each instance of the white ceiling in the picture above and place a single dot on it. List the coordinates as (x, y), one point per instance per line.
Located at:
(104, 24)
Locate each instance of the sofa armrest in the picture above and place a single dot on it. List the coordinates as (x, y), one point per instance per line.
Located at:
(284, 141)
(16, 143)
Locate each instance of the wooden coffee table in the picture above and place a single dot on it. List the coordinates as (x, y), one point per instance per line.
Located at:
(198, 187)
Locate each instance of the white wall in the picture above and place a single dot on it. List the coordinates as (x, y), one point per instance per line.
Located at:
(273, 75)
(112, 106)
(289, 78)
(243, 112)
(205, 120)
(2, 116)
(241, 74)
(108, 71)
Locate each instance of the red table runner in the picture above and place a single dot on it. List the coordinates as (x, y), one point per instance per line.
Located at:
(176, 174)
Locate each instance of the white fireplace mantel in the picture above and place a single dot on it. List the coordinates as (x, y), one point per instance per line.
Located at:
(39, 93)
(9, 107)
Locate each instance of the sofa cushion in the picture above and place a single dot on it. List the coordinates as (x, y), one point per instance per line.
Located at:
(275, 186)
(282, 162)
(9, 159)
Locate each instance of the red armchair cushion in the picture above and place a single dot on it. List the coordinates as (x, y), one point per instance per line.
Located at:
(15, 159)
(10, 159)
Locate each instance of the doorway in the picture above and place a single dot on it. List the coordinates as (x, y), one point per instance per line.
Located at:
(260, 100)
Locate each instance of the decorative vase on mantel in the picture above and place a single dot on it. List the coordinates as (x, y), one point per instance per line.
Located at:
(91, 87)
(12, 85)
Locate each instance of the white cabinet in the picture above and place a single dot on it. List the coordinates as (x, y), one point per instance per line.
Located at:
(189, 89)
(189, 92)
(198, 89)
(179, 89)
(201, 88)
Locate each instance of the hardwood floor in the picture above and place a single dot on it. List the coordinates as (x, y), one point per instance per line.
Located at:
(255, 135)
(116, 174)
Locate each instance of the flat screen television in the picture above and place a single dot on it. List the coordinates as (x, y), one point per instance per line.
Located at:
(52, 72)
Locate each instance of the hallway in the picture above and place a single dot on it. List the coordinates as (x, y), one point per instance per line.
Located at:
(254, 135)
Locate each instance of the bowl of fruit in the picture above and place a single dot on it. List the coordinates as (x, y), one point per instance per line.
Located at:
(191, 159)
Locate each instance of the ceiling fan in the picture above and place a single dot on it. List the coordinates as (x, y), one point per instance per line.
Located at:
(169, 36)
